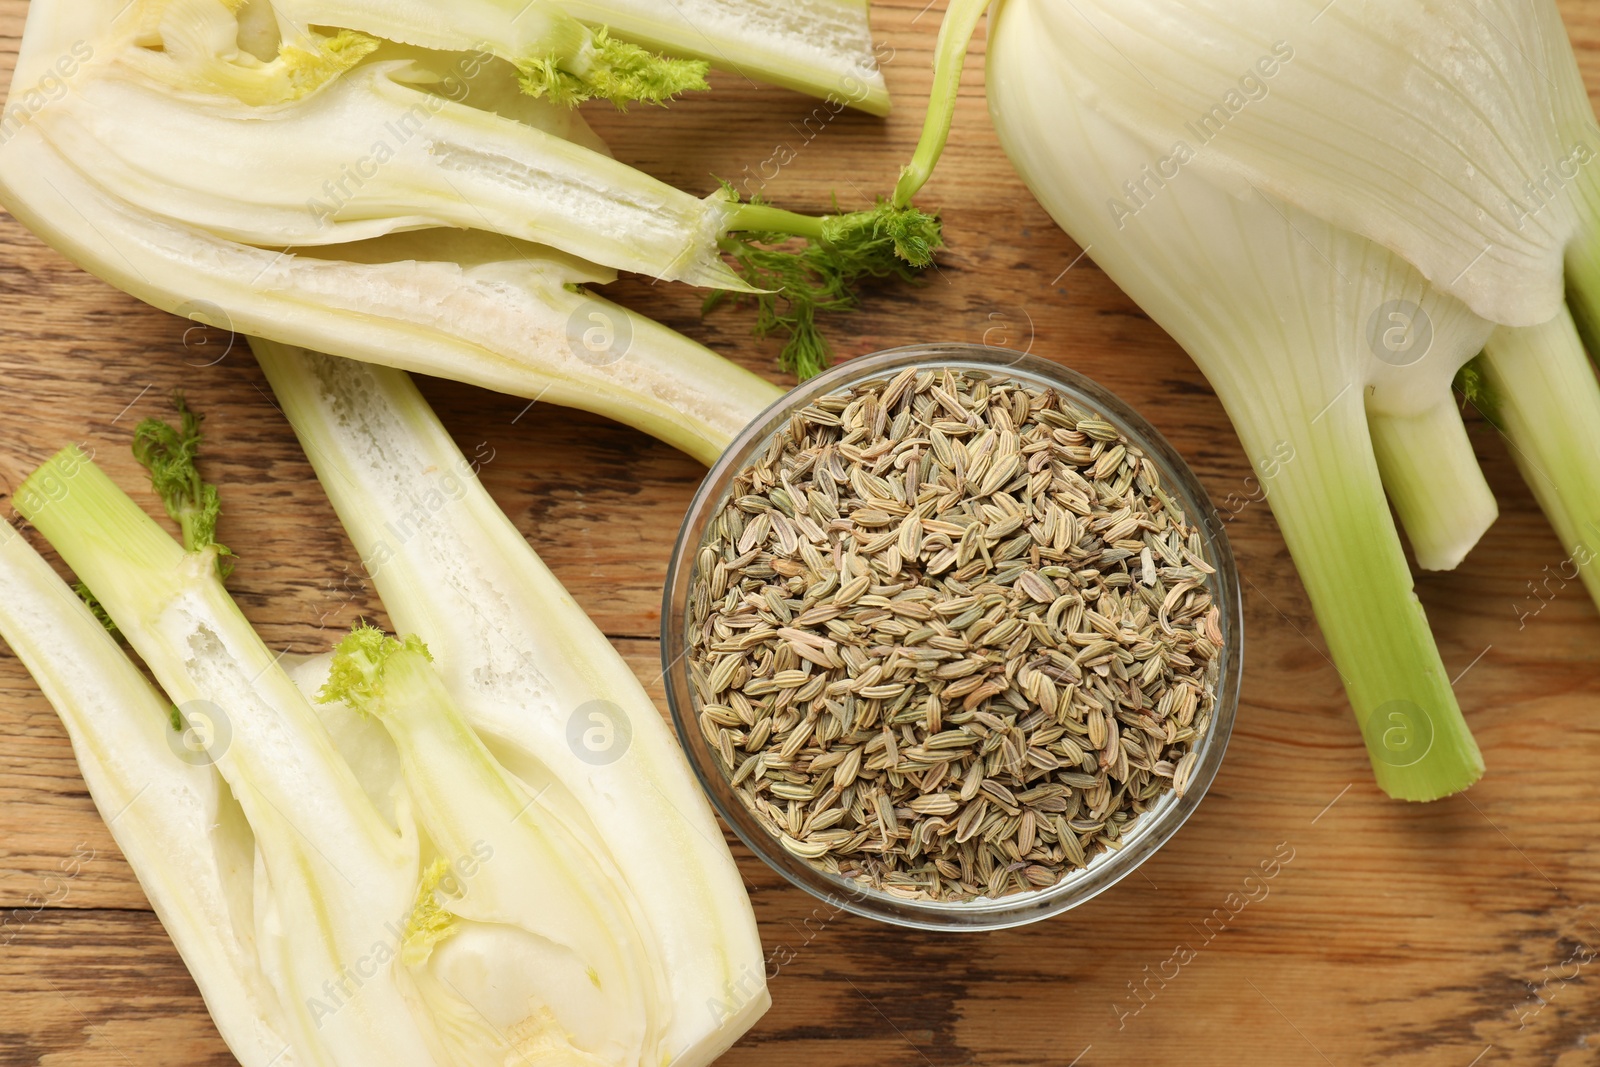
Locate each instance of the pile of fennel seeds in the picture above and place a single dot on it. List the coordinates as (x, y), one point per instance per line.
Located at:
(950, 637)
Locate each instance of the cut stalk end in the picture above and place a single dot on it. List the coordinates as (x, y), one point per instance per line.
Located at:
(361, 665)
(1434, 481)
(1420, 752)
(107, 539)
(1329, 503)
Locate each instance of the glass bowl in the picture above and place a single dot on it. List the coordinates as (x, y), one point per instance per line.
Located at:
(1149, 832)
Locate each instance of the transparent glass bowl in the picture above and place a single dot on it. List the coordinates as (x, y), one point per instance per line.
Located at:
(1150, 831)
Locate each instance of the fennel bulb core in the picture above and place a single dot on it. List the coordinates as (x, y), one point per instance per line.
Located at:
(539, 886)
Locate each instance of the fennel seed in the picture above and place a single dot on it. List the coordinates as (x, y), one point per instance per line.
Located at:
(950, 637)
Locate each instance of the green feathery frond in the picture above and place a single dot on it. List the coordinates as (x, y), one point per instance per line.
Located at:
(356, 674)
(96, 609)
(169, 453)
(618, 71)
(824, 273)
(1473, 385)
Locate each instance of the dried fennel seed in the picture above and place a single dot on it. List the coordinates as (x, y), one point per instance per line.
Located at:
(949, 636)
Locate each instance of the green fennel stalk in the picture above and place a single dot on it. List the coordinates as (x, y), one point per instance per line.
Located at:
(1538, 387)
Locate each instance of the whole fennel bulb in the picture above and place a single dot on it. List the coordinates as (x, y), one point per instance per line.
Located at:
(379, 857)
(1333, 354)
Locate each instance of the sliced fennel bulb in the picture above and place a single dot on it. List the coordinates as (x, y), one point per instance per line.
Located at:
(135, 139)
(555, 55)
(520, 660)
(821, 47)
(391, 886)
(1283, 341)
(540, 873)
(265, 52)
(364, 153)
(503, 315)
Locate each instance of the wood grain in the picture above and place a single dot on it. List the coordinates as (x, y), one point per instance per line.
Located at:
(1398, 934)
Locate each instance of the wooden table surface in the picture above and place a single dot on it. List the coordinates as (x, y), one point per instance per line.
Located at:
(1455, 933)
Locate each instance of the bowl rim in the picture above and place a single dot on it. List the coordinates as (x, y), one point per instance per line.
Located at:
(1153, 829)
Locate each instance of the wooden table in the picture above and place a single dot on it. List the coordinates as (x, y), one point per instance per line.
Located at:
(1395, 934)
